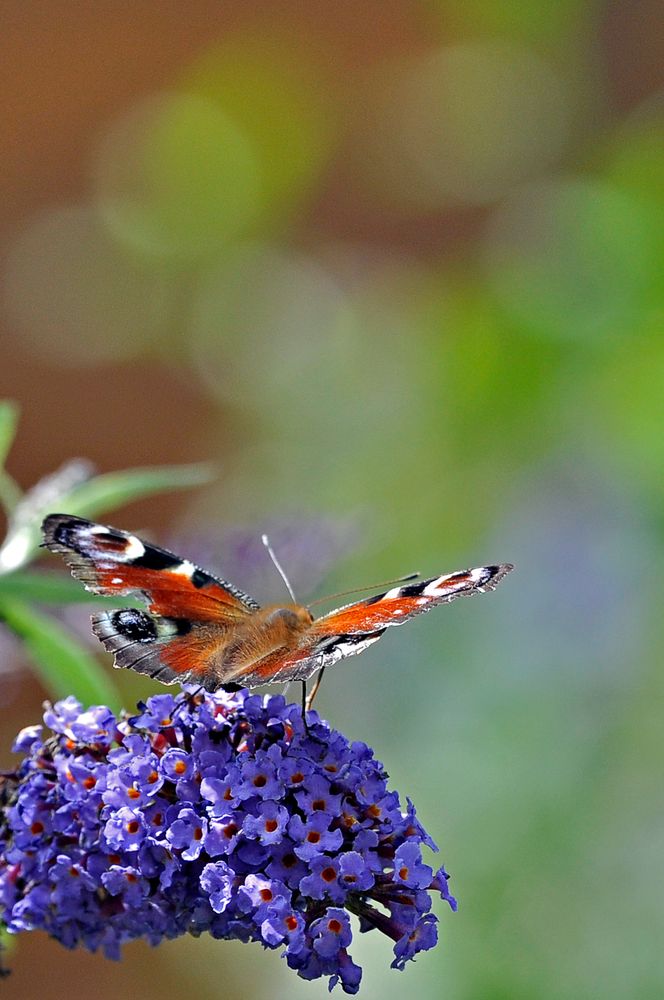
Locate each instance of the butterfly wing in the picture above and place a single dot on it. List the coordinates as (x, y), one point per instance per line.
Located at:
(190, 612)
(400, 604)
(113, 562)
(351, 629)
(296, 663)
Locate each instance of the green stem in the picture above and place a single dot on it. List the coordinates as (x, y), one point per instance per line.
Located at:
(64, 667)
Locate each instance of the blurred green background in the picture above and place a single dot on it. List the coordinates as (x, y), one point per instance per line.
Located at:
(396, 268)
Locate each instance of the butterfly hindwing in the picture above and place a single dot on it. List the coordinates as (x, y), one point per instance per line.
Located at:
(172, 650)
(314, 652)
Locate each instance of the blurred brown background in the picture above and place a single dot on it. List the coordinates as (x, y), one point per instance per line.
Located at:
(396, 268)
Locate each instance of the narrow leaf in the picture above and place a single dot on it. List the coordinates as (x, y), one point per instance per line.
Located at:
(10, 492)
(28, 513)
(89, 497)
(9, 413)
(51, 588)
(62, 664)
(113, 489)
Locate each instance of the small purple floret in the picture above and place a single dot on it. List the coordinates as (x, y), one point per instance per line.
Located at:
(216, 813)
(408, 867)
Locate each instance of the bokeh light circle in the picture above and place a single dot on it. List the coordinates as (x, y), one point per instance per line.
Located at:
(636, 153)
(75, 297)
(574, 258)
(263, 323)
(176, 177)
(271, 80)
(464, 125)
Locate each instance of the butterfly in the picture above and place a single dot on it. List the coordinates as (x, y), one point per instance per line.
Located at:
(199, 628)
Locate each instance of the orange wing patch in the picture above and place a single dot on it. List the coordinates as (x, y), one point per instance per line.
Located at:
(113, 562)
(402, 603)
(171, 594)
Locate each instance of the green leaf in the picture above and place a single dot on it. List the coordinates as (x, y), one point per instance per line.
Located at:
(62, 664)
(113, 489)
(8, 944)
(51, 588)
(9, 413)
(87, 497)
(10, 492)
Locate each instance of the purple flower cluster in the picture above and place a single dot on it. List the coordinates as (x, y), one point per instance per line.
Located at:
(216, 813)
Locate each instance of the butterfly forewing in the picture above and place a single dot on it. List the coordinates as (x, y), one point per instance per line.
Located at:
(402, 603)
(113, 562)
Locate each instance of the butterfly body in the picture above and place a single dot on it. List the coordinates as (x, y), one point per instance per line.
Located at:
(200, 628)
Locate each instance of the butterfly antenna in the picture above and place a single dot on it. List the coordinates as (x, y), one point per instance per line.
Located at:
(279, 567)
(358, 590)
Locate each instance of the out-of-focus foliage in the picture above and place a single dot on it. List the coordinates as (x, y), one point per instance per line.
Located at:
(64, 666)
(395, 268)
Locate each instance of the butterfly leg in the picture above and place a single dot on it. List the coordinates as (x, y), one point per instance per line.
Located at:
(314, 691)
(305, 705)
(199, 690)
